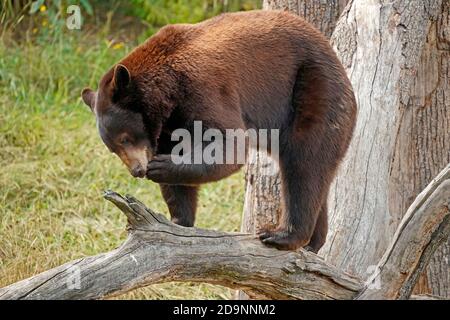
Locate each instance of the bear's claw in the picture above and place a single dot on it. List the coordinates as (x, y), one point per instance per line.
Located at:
(282, 240)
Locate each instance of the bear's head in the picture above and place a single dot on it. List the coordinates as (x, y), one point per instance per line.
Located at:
(121, 119)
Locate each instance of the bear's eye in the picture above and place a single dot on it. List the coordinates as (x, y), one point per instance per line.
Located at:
(125, 141)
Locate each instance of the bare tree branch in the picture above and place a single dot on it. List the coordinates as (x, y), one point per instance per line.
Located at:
(425, 226)
(159, 251)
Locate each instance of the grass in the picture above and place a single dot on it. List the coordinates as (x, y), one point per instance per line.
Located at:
(54, 168)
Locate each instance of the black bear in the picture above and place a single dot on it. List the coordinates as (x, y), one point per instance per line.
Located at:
(257, 69)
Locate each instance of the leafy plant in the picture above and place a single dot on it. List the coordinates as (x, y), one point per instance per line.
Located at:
(53, 166)
(157, 13)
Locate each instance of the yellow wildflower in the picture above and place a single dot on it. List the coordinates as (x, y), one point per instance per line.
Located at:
(118, 46)
(42, 8)
(35, 30)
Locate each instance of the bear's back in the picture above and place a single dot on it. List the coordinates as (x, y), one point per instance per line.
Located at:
(253, 31)
(228, 37)
(235, 59)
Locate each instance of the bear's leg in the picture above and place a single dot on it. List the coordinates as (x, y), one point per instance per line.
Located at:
(163, 170)
(304, 188)
(320, 232)
(182, 203)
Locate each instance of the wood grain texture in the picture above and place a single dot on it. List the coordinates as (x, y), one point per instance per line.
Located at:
(428, 120)
(425, 297)
(322, 14)
(424, 227)
(396, 55)
(262, 207)
(262, 204)
(262, 201)
(159, 251)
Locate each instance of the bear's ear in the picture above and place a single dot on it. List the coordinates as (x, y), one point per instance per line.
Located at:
(121, 78)
(88, 96)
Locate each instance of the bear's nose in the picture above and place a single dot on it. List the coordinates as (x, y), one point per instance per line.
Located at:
(138, 172)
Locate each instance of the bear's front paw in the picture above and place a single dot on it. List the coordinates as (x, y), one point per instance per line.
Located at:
(160, 169)
(282, 239)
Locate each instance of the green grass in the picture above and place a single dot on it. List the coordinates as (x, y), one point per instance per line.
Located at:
(54, 168)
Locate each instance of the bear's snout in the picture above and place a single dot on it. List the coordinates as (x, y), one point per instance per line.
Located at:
(138, 172)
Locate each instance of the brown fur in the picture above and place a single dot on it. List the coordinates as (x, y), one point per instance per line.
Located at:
(259, 69)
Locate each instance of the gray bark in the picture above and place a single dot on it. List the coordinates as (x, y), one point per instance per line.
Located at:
(397, 56)
(322, 14)
(159, 251)
(400, 267)
(262, 208)
(262, 205)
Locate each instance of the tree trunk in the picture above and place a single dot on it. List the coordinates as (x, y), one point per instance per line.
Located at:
(431, 122)
(397, 57)
(158, 250)
(322, 14)
(262, 206)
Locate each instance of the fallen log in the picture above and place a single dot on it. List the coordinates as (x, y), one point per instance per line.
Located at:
(159, 251)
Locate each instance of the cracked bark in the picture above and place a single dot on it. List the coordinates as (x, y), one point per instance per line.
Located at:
(159, 251)
(262, 207)
(322, 14)
(402, 139)
(397, 56)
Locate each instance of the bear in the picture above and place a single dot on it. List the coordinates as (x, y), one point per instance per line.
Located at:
(256, 69)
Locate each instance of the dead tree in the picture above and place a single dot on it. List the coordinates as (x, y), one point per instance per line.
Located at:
(159, 251)
(397, 55)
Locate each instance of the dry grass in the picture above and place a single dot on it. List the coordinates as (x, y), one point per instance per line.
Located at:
(54, 168)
